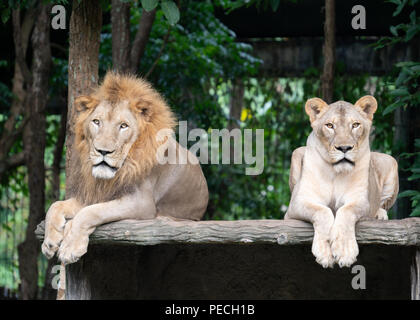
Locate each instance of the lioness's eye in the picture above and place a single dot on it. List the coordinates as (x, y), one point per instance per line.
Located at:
(355, 125)
(330, 125)
(123, 125)
(96, 121)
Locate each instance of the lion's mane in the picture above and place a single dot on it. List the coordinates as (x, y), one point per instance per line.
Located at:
(152, 114)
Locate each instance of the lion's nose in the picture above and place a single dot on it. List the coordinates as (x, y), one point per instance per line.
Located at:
(104, 152)
(344, 149)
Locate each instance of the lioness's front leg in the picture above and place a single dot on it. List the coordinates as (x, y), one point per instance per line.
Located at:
(76, 239)
(54, 224)
(343, 235)
(322, 219)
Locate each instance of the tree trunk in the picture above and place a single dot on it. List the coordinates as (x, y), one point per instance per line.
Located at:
(34, 147)
(85, 30)
(10, 133)
(327, 77)
(84, 42)
(120, 19)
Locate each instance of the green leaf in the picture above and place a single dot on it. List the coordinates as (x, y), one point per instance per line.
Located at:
(399, 92)
(411, 32)
(171, 12)
(414, 177)
(392, 107)
(401, 6)
(149, 5)
(416, 212)
(394, 30)
(275, 4)
(408, 193)
(5, 14)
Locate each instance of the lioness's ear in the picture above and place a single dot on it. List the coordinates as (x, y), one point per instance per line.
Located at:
(315, 107)
(83, 103)
(368, 105)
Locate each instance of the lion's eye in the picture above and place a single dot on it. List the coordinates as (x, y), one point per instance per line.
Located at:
(123, 125)
(330, 125)
(355, 125)
(96, 121)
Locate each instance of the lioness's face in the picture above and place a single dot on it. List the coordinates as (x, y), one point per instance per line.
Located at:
(112, 130)
(342, 129)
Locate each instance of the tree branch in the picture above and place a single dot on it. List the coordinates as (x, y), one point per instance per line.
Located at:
(165, 40)
(12, 162)
(142, 36)
(10, 132)
(20, 54)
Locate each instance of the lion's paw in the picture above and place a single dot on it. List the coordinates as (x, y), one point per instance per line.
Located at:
(51, 244)
(344, 246)
(381, 214)
(321, 249)
(73, 247)
(53, 237)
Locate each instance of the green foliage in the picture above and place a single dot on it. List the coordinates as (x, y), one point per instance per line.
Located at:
(406, 93)
(414, 195)
(265, 5)
(169, 9)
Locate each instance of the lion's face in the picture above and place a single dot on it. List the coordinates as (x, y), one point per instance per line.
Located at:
(342, 129)
(111, 131)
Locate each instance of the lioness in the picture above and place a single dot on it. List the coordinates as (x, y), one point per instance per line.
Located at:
(117, 175)
(336, 180)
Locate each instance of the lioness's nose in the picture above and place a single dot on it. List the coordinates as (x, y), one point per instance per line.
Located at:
(344, 149)
(104, 152)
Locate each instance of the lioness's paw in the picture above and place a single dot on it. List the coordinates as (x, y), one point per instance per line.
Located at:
(73, 246)
(381, 214)
(344, 246)
(321, 249)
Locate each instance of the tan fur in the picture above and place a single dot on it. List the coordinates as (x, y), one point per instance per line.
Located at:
(152, 115)
(334, 193)
(115, 170)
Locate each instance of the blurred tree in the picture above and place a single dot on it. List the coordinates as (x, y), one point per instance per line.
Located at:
(329, 52)
(36, 87)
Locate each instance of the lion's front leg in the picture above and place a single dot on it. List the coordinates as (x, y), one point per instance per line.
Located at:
(322, 219)
(76, 236)
(54, 224)
(343, 235)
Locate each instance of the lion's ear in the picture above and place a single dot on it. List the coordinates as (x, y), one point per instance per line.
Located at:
(83, 103)
(368, 105)
(315, 107)
(144, 109)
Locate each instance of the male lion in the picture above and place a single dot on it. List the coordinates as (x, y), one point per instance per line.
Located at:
(115, 167)
(336, 180)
